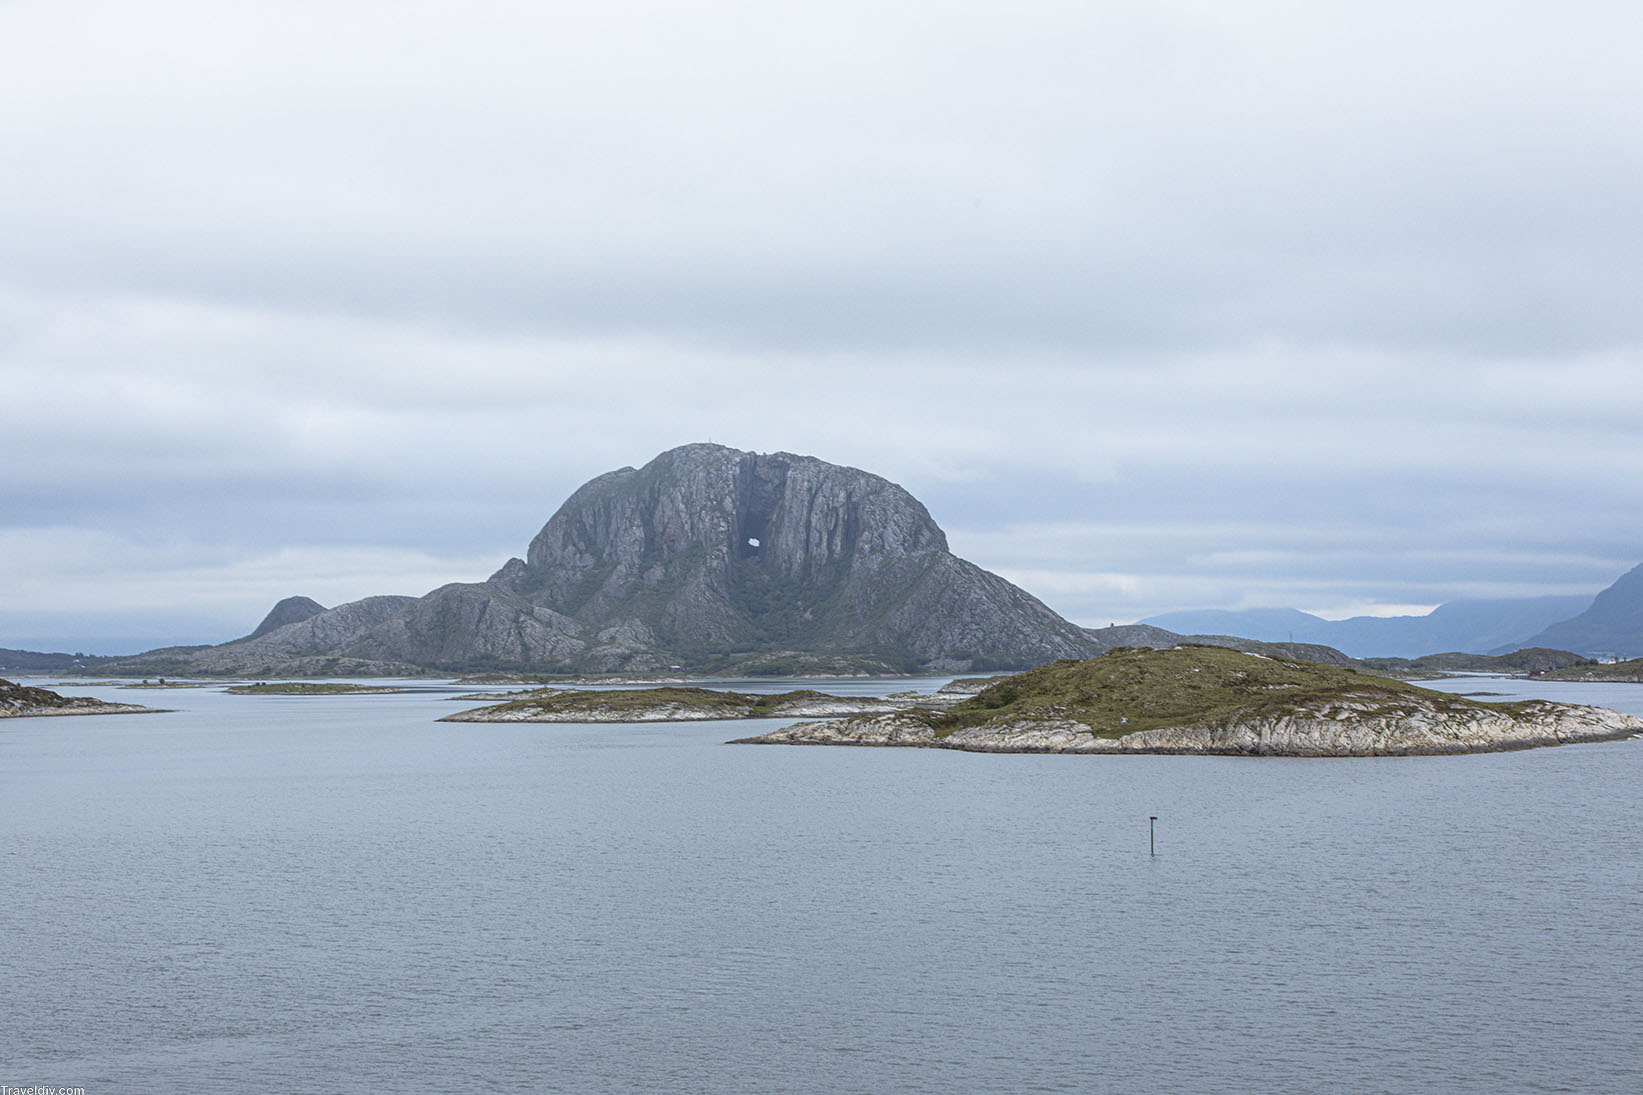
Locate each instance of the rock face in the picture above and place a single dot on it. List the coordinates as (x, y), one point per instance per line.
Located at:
(1207, 700)
(708, 558)
(707, 549)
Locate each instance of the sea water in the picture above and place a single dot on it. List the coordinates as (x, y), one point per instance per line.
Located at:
(338, 893)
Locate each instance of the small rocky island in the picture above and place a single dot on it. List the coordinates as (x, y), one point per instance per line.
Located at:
(677, 705)
(311, 688)
(1211, 700)
(24, 701)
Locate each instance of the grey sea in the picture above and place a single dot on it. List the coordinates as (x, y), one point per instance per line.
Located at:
(338, 893)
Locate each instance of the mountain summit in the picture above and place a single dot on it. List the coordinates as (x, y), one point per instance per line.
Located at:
(706, 558)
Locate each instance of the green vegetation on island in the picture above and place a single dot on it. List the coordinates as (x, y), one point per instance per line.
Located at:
(1533, 660)
(671, 704)
(163, 683)
(310, 688)
(1130, 689)
(1212, 700)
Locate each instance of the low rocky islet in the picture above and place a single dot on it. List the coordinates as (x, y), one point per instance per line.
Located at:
(677, 704)
(1203, 700)
(27, 701)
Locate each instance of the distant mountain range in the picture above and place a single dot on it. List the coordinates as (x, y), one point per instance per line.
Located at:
(1611, 625)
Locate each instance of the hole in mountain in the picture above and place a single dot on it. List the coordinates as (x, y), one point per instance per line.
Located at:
(759, 496)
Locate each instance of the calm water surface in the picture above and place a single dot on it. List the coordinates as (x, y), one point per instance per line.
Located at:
(340, 894)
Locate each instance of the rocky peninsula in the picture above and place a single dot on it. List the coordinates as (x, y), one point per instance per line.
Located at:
(1627, 672)
(24, 701)
(1207, 700)
(312, 688)
(678, 705)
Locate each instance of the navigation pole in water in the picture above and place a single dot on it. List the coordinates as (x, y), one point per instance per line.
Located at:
(1152, 834)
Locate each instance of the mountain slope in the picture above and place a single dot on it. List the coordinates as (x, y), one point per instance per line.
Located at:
(1612, 626)
(289, 611)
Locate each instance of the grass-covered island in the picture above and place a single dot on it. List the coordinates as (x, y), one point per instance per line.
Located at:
(1201, 699)
(163, 683)
(1534, 661)
(311, 688)
(24, 701)
(673, 705)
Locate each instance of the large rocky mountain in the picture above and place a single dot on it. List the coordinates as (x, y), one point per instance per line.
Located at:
(706, 558)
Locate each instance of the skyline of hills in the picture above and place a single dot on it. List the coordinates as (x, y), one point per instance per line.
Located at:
(711, 556)
(1480, 626)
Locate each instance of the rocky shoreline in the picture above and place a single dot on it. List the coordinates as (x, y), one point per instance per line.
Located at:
(673, 704)
(1300, 735)
(18, 701)
(1202, 700)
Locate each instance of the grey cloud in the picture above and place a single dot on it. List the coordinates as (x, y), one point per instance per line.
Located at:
(1334, 303)
(1093, 180)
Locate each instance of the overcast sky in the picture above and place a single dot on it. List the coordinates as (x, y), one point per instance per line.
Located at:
(1155, 305)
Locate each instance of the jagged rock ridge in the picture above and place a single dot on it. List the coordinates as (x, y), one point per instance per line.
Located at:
(706, 557)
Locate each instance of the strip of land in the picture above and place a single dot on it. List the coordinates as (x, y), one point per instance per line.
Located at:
(1628, 672)
(24, 701)
(673, 704)
(311, 688)
(1210, 700)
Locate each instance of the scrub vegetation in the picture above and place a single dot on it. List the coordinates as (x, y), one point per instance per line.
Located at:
(308, 688)
(1130, 689)
(710, 702)
(1629, 672)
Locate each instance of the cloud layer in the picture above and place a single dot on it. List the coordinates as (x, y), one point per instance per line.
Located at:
(1156, 306)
